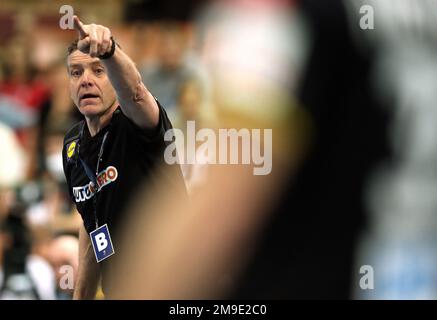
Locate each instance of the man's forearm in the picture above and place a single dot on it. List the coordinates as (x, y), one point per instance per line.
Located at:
(89, 271)
(135, 100)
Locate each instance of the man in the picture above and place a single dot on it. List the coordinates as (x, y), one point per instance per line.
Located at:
(107, 156)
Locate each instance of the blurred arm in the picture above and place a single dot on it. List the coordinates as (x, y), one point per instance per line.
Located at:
(89, 271)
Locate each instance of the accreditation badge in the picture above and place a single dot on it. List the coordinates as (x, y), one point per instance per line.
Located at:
(102, 243)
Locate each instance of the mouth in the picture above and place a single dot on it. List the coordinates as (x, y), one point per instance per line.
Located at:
(88, 97)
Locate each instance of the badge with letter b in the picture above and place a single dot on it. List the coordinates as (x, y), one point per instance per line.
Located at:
(102, 243)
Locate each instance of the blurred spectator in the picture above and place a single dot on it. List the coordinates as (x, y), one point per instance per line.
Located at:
(174, 66)
(12, 159)
(23, 275)
(21, 98)
(190, 102)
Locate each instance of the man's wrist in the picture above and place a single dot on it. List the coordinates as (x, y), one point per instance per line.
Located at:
(109, 53)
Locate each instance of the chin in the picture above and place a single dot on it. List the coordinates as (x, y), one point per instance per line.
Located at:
(90, 110)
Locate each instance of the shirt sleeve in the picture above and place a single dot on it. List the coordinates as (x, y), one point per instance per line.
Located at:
(150, 145)
(154, 136)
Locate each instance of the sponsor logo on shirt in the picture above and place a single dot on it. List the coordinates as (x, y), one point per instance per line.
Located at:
(70, 149)
(104, 178)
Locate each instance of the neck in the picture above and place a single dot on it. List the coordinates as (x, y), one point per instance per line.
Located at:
(97, 123)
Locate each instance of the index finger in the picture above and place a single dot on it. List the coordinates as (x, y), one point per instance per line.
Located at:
(78, 25)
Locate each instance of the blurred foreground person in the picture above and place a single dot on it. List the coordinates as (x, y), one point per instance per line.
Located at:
(291, 234)
(196, 249)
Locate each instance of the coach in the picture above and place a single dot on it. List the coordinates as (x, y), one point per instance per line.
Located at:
(109, 154)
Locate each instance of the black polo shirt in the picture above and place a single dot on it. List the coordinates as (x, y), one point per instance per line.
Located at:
(130, 158)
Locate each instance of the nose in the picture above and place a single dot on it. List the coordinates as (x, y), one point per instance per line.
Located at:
(86, 80)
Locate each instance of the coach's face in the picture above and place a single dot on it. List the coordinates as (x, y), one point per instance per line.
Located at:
(90, 87)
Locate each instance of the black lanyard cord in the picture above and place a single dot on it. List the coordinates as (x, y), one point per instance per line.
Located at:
(89, 171)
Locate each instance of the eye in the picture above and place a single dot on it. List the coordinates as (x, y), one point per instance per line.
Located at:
(75, 73)
(99, 71)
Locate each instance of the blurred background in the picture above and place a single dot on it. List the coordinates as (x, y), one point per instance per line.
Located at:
(354, 120)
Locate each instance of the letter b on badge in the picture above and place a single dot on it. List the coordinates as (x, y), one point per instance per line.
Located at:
(102, 243)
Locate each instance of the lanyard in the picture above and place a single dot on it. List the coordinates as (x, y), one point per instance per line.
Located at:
(89, 172)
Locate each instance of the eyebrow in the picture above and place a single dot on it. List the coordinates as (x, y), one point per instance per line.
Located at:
(75, 65)
(80, 65)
